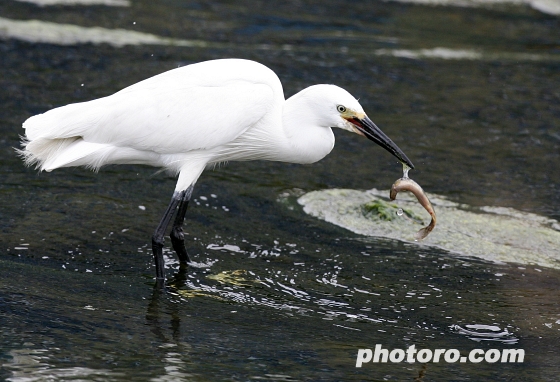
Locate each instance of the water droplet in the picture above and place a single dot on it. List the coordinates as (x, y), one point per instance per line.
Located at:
(400, 212)
(405, 170)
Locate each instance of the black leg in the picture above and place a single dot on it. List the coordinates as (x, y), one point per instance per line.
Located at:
(157, 238)
(177, 235)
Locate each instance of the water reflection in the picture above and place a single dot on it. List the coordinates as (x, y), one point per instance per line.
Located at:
(464, 54)
(46, 3)
(36, 31)
(551, 7)
(29, 365)
(160, 297)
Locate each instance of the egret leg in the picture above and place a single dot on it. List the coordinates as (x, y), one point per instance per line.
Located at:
(179, 199)
(177, 235)
(157, 238)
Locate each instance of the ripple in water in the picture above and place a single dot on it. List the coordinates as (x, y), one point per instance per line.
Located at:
(478, 332)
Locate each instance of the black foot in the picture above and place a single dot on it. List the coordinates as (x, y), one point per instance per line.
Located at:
(180, 200)
(178, 243)
(157, 249)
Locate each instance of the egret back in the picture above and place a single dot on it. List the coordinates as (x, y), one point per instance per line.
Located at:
(193, 108)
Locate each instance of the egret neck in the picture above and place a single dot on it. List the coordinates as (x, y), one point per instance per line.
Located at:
(308, 138)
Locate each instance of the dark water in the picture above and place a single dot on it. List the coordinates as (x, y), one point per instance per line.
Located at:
(282, 296)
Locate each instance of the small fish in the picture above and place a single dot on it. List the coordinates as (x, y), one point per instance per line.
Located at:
(407, 184)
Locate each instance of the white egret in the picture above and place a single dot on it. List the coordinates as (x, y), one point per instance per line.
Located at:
(193, 117)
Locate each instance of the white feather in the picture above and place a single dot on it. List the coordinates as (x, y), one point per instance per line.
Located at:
(189, 118)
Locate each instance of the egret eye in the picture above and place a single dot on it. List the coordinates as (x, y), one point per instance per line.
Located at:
(341, 109)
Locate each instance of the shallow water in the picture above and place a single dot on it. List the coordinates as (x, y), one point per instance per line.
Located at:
(470, 95)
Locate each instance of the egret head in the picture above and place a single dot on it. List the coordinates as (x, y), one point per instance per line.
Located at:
(348, 114)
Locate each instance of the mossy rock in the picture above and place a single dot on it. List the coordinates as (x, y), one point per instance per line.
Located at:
(378, 209)
(491, 233)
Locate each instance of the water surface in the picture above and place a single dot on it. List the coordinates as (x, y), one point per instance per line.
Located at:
(471, 95)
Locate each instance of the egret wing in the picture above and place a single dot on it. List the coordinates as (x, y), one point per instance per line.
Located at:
(162, 119)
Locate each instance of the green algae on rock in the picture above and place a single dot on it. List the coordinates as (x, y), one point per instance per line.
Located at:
(492, 233)
(380, 209)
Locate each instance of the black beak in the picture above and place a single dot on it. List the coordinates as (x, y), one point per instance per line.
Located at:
(374, 133)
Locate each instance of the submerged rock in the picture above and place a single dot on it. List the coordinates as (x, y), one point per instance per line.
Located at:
(491, 233)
